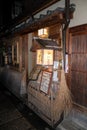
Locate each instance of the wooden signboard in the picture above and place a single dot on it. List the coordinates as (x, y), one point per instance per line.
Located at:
(45, 81)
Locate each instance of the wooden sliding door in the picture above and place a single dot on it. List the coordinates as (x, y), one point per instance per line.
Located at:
(78, 64)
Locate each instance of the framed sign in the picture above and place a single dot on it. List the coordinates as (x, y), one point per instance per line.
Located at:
(45, 81)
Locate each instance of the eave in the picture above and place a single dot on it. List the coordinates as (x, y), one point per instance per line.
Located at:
(56, 16)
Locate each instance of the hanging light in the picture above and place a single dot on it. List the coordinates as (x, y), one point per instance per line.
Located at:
(43, 33)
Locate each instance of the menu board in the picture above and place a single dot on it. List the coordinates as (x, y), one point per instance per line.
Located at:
(45, 81)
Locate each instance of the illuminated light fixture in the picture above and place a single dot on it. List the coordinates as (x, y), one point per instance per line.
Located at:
(43, 33)
(44, 57)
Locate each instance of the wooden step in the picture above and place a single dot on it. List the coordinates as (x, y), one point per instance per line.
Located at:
(76, 120)
(69, 125)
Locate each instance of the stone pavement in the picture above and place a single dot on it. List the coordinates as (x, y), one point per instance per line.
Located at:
(15, 116)
(10, 117)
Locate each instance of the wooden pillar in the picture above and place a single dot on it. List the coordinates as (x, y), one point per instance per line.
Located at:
(26, 53)
(20, 54)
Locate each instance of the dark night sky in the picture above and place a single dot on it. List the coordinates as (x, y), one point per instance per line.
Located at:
(28, 7)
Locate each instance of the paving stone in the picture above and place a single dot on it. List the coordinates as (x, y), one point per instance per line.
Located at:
(18, 124)
(6, 106)
(9, 116)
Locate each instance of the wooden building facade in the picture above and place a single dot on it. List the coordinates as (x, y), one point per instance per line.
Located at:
(19, 61)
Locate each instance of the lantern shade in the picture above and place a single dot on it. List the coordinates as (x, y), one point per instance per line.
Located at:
(44, 57)
(43, 32)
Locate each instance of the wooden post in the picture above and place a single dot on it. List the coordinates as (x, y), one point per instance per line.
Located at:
(20, 54)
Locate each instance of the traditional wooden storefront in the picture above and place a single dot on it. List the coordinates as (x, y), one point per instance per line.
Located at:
(47, 92)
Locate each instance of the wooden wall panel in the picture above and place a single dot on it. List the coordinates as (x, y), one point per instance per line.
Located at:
(79, 43)
(77, 89)
(78, 64)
